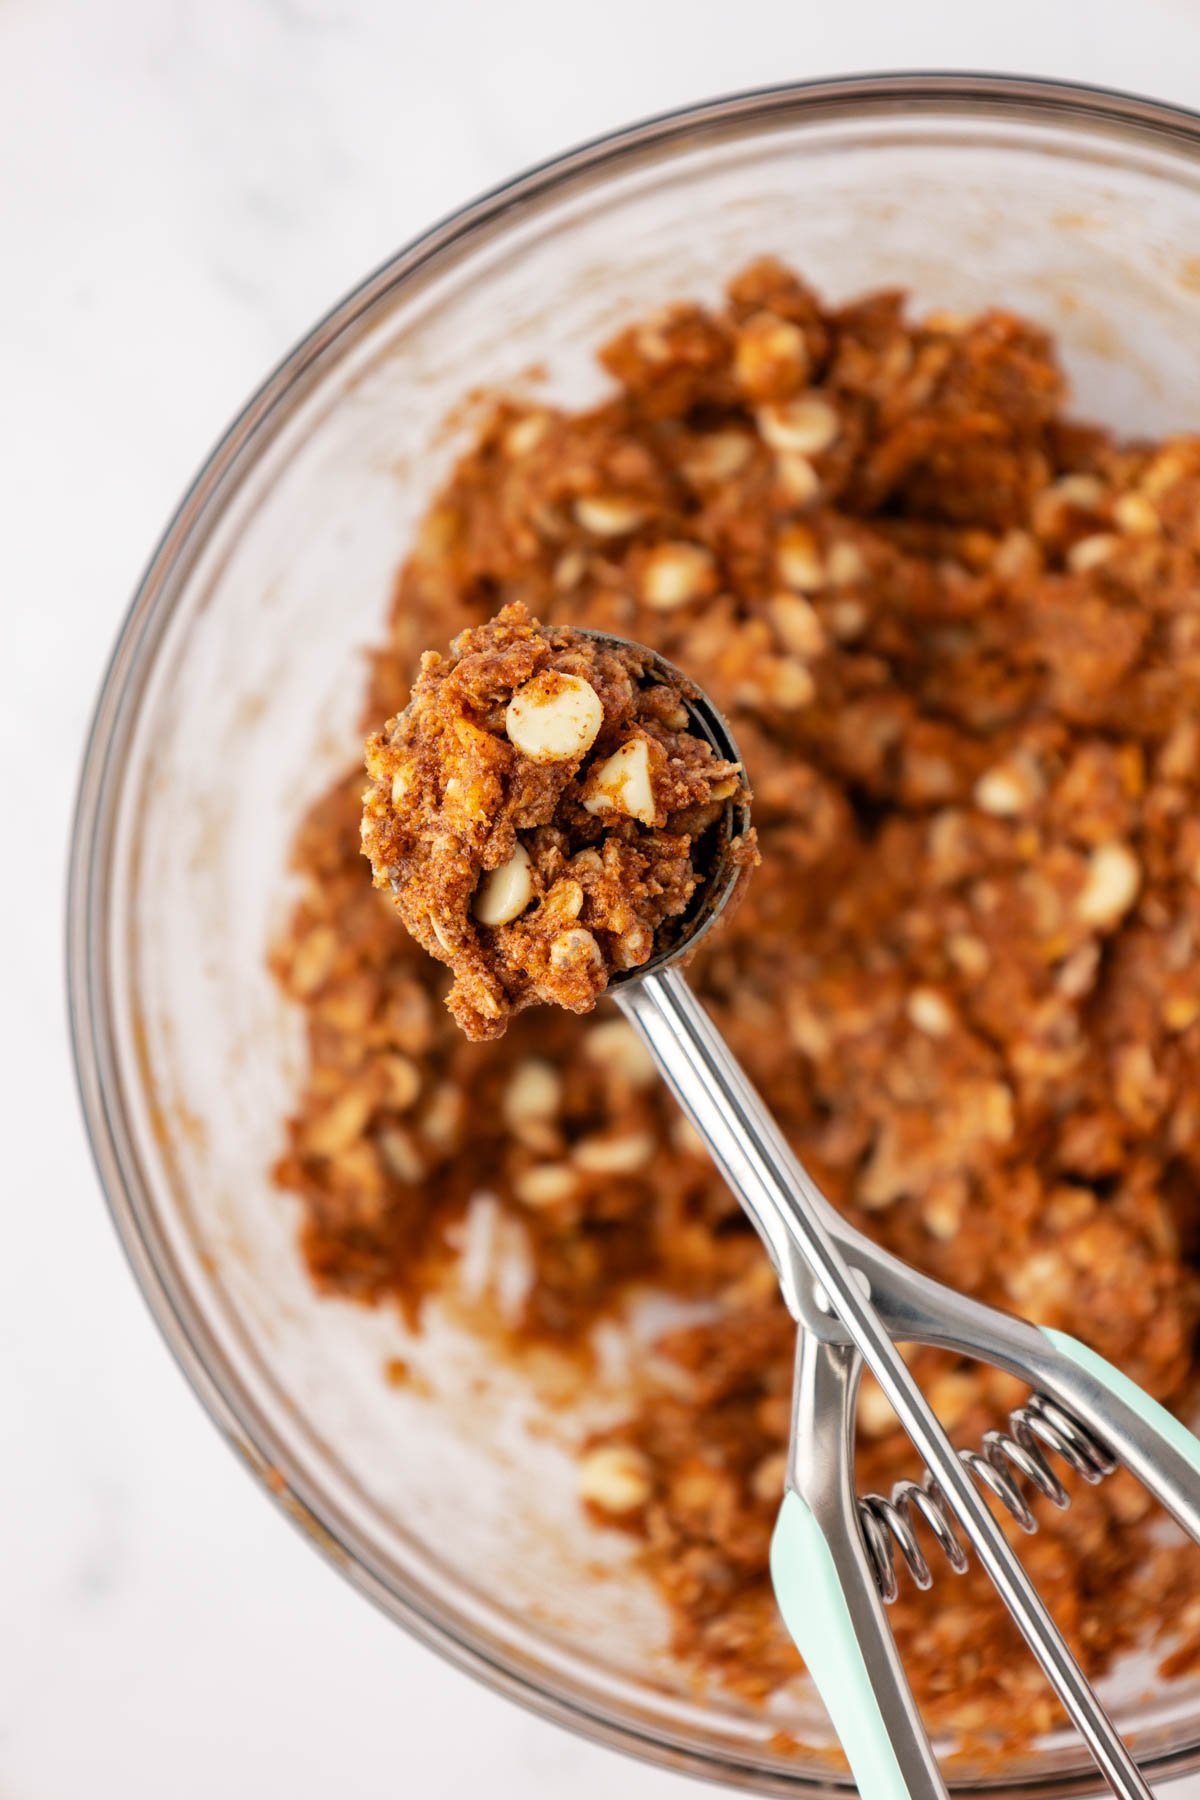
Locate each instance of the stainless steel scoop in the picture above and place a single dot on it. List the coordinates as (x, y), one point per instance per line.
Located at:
(832, 1556)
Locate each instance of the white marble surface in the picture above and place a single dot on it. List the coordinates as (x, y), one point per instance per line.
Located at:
(184, 185)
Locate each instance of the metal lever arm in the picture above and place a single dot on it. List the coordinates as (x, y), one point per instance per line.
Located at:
(1142, 1435)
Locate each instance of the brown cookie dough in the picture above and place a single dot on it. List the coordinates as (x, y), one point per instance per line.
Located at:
(541, 807)
(957, 637)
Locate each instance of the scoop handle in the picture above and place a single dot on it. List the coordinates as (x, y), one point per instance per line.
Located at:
(817, 1617)
(1141, 1433)
(812, 1600)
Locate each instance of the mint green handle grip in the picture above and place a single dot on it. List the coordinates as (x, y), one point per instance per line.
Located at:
(1164, 1424)
(815, 1612)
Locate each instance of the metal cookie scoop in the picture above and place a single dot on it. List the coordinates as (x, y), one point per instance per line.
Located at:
(832, 1558)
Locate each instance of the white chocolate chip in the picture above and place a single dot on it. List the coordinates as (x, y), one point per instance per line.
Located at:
(402, 781)
(808, 425)
(1135, 514)
(608, 515)
(342, 1122)
(1077, 975)
(1084, 492)
(1040, 1282)
(797, 477)
(1016, 555)
(313, 960)
(570, 948)
(1090, 552)
(633, 947)
(941, 1215)
(653, 341)
(1113, 879)
(1010, 788)
(570, 570)
(545, 1184)
(808, 1033)
(999, 793)
(717, 457)
(769, 350)
(676, 573)
(554, 717)
(951, 324)
(620, 1052)
(441, 1118)
(846, 564)
(787, 684)
(621, 783)
(796, 624)
(847, 620)
(602, 1155)
(534, 1092)
(525, 435)
(399, 1151)
(1079, 493)
(1168, 467)
(686, 1138)
(616, 1478)
(929, 1012)
(505, 892)
(766, 1483)
(798, 560)
(968, 953)
(401, 1079)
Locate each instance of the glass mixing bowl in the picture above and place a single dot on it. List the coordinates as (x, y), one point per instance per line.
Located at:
(233, 697)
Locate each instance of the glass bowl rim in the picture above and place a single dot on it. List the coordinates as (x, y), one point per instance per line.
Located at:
(1124, 116)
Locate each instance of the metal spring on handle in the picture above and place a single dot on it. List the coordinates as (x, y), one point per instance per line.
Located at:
(1040, 1425)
